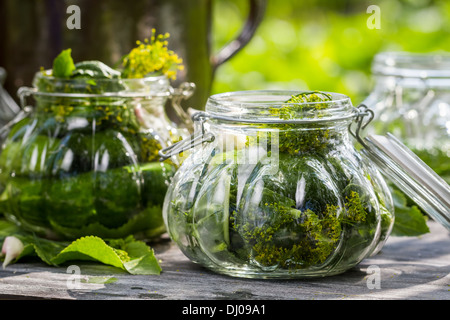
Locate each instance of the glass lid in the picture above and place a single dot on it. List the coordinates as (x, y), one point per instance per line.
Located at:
(410, 174)
(408, 64)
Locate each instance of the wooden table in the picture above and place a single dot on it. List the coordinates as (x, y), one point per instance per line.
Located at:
(408, 268)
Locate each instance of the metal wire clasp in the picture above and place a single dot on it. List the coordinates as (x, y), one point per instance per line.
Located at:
(183, 92)
(197, 138)
(362, 111)
(24, 112)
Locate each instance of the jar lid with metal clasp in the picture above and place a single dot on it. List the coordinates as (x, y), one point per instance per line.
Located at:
(406, 170)
(274, 185)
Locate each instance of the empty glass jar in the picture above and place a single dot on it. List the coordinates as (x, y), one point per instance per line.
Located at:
(274, 188)
(84, 160)
(411, 100)
(8, 107)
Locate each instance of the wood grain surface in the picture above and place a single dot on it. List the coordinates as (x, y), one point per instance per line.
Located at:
(410, 268)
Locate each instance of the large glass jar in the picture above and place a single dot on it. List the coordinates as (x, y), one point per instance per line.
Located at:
(276, 190)
(8, 107)
(411, 100)
(84, 160)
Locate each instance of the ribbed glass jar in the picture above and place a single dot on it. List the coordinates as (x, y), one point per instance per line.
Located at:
(277, 190)
(84, 161)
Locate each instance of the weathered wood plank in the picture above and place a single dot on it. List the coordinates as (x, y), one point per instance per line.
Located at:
(410, 268)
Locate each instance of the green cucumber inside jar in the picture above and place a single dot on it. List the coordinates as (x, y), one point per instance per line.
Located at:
(84, 161)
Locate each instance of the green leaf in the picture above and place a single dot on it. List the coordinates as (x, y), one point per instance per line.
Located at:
(45, 249)
(90, 248)
(409, 220)
(144, 265)
(95, 69)
(128, 254)
(142, 258)
(7, 228)
(63, 65)
(99, 280)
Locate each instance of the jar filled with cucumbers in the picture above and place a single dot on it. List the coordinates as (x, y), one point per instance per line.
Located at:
(82, 156)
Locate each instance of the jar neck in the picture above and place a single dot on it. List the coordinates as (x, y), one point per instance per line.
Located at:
(409, 70)
(68, 106)
(108, 95)
(390, 83)
(315, 138)
(125, 114)
(310, 121)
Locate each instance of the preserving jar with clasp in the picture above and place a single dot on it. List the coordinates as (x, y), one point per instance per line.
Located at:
(275, 188)
(410, 99)
(82, 159)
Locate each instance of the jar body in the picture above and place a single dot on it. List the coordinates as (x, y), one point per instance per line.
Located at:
(262, 211)
(88, 165)
(410, 100)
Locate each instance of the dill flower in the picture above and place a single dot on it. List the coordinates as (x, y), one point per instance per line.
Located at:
(152, 56)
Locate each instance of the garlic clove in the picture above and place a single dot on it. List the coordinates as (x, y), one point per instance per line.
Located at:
(12, 248)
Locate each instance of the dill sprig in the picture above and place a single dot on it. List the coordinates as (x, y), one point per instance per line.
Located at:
(297, 139)
(152, 56)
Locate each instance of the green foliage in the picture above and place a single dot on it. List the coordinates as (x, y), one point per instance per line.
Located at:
(151, 57)
(295, 139)
(355, 209)
(127, 254)
(95, 70)
(436, 159)
(324, 44)
(287, 242)
(84, 77)
(304, 97)
(409, 220)
(63, 65)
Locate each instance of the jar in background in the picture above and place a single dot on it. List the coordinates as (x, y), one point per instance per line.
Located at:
(411, 100)
(8, 107)
(274, 188)
(84, 160)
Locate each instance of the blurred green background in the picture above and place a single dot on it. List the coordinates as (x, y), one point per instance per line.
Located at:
(324, 45)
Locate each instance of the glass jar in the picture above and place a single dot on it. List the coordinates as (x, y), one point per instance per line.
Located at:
(8, 107)
(276, 190)
(411, 100)
(84, 160)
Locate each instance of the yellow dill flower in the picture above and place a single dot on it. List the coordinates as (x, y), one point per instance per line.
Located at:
(152, 56)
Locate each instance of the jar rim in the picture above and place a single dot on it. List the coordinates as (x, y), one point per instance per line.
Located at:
(255, 106)
(156, 85)
(412, 65)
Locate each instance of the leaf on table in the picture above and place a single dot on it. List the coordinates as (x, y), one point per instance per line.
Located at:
(45, 249)
(92, 249)
(409, 220)
(128, 254)
(99, 280)
(143, 260)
